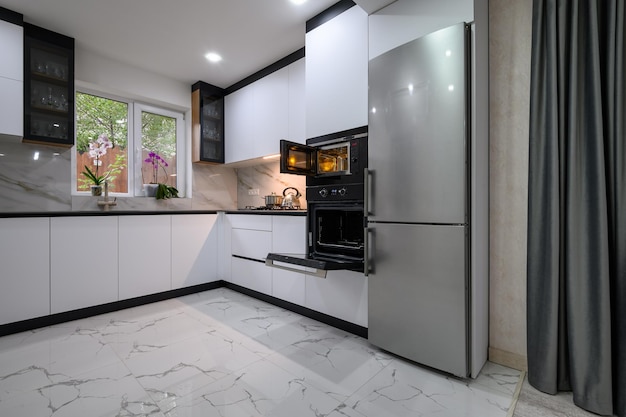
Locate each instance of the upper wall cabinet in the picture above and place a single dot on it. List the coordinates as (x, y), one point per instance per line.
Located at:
(336, 72)
(11, 73)
(48, 87)
(265, 111)
(207, 119)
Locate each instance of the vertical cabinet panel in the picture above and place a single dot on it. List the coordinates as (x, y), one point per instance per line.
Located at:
(25, 264)
(12, 50)
(11, 79)
(297, 102)
(336, 74)
(83, 262)
(144, 255)
(194, 249)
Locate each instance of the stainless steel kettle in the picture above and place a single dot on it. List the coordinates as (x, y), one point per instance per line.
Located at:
(291, 200)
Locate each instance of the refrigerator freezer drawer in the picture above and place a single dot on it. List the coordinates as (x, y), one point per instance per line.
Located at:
(417, 294)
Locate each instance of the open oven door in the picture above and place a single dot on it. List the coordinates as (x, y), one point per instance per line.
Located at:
(296, 158)
(315, 265)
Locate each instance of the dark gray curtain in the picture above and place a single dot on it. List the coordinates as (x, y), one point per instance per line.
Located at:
(576, 277)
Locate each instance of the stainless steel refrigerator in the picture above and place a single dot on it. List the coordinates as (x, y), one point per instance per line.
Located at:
(419, 201)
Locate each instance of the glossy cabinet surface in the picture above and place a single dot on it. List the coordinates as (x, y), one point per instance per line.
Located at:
(207, 113)
(194, 248)
(262, 113)
(144, 255)
(336, 74)
(48, 87)
(342, 294)
(11, 79)
(25, 261)
(83, 262)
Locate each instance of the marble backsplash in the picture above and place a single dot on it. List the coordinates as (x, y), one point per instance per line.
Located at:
(37, 178)
(267, 179)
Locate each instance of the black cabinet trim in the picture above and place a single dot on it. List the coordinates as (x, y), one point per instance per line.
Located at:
(53, 319)
(11, 16)
(281, 63)
(303, 311)
(328, 14)
(48, 36)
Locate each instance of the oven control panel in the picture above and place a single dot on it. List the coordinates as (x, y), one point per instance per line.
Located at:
(340, 192)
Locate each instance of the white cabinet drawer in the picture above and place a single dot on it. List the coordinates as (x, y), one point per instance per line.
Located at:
(252, 275)
(252, 244)
(251, 221)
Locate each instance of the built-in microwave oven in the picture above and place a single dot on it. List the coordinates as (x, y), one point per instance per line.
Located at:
(325, 157)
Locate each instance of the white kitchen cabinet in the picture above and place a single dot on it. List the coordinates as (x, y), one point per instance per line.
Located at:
(249, 250)
(144, 255)
(11, 79)
(194, 249)
(257, 117)
(83, 262)
(288, 236)
(25, 264)
(251, 241)
(336, 74)
(252, 275)
(342, 294)
(297, 102)
(406, 20)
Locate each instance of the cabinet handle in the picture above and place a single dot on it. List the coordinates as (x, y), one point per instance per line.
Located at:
(367, 174)
(319, 273)
(366, 251)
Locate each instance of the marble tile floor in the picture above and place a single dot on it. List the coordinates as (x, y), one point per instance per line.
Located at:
(221, 353)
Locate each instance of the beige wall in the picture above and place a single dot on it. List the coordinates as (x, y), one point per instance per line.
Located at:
(510, 26)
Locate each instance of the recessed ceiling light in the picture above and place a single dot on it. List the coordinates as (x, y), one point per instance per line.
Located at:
(298, 2)
(213, 57)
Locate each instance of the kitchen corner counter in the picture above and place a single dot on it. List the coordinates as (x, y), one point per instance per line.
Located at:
(103, 213)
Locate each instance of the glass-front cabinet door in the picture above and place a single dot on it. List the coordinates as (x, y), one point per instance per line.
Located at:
(208, 123)
(48, 87)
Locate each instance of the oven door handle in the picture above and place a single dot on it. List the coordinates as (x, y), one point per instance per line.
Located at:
(367, 174)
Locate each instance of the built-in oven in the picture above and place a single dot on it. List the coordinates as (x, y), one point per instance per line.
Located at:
(334, 166)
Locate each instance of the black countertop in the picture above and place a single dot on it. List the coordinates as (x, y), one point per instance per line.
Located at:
(147, 213)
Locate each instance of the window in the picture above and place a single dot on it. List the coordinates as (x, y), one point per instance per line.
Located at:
(127, 143)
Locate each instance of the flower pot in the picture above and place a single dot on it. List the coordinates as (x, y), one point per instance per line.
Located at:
(96, 190)
(150, 189)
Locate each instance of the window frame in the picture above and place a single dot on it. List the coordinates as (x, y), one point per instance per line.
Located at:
(134, 159)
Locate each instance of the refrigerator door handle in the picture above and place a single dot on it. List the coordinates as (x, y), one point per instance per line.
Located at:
(367, 173)
(367, 265)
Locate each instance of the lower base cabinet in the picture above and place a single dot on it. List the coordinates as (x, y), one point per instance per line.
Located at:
(144, 255)
(83, 262)
(252, 274)
(195, 240)
(25, 262)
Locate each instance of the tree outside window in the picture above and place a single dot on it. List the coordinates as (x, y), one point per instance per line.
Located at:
(97, 116)
(123, 127)
(158, 144)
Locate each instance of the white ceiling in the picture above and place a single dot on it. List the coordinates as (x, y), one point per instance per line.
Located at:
(171, 37)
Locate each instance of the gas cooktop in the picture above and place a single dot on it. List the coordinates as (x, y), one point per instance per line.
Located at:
(272, 208)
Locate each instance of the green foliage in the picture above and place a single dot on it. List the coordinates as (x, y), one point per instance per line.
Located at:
(165, 191)
(92, 178)
(158, 134)
(97, 115)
